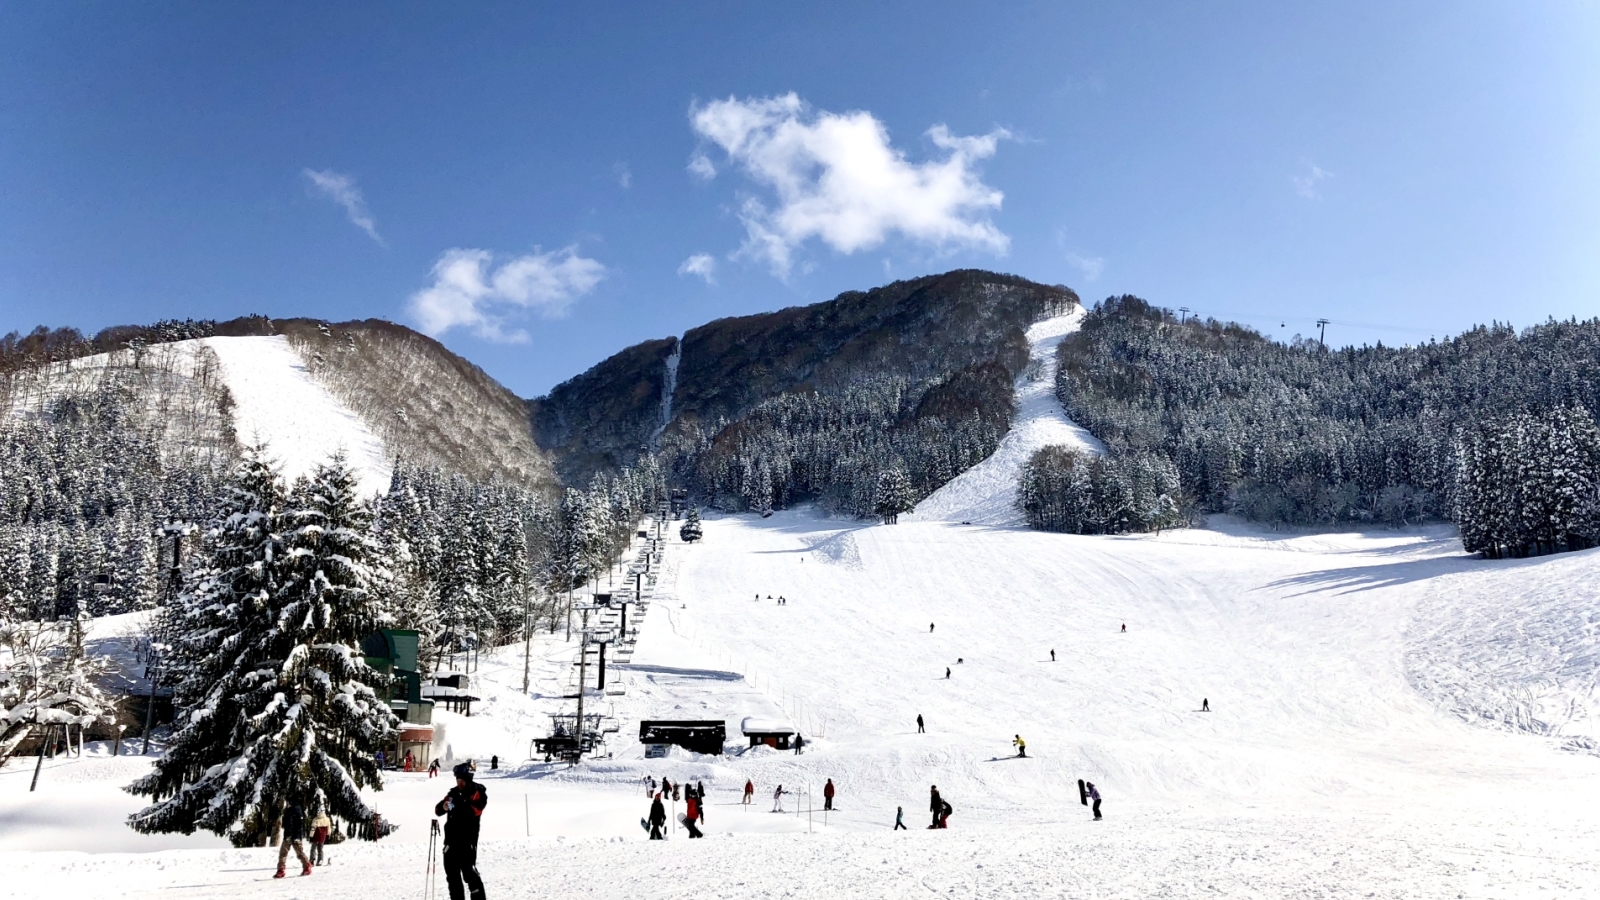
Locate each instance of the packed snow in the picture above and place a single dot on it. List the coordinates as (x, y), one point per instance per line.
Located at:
(986, 494)
(277, 401)
(1389, 718)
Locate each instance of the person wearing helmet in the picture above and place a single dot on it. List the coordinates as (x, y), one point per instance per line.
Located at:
(463, 810)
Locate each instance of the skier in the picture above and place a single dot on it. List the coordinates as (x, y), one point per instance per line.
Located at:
(433, 768)
(294, 829)
(777, 799)
(899, 819)
(1052, 656)
(658, 818)
(463, 812)
(827, 795)
(320, 826)
(410, 763)
(1124, 627)
(749, 791)
(935, 805)
(920, 729)
(1094, 794)
(1022, 746)
(494, 763)
(946, 673)
(1205, 704)
(930, 628)
(690, 814)
(379, 757)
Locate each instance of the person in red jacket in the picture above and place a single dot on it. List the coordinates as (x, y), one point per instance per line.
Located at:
(749, 791)
(827, 795)
(691, 814)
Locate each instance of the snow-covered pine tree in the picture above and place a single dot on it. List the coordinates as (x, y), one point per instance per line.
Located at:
(691, 531)
(893, 497)
(290, 712)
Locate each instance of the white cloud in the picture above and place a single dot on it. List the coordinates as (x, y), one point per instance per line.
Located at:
(701, 167)
(1090, 266)
(1306, 185)
(700, 264)
(836, 178)
(469, 291)
(342, 190)
(624, 175)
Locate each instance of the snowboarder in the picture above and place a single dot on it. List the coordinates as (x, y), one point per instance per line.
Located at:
(433, 768)
(463, 811)
(690, 814)
(920, 729)
(946, 673)
(1052, 656)
(658, 819)
(749, 791)
(1124, 627)
(935, 805)
(827, 795)
(899, 819)
(1094, 794)
(1205, 704)
(1022, 746)
(777, 799)
(781, 601)
(700, 794)
(320, 826)
(294, 830)
(945, 809)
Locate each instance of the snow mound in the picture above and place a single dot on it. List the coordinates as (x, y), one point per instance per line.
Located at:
(986, 494)
(276, 401)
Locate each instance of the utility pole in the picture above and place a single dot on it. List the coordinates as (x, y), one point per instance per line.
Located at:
(1322, 333)
(583, 676)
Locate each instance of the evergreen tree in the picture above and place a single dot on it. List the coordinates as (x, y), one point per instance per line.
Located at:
(893, 497)
(284, 707)
(690, 532)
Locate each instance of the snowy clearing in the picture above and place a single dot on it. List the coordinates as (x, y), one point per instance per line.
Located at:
(1349, 678)
(986, 494)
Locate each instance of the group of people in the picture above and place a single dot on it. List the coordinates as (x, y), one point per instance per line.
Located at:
(782, 601)
(694, 814)
(408, 763)
(293, 824)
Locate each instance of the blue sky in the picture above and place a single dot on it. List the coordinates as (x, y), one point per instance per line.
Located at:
(542, 185)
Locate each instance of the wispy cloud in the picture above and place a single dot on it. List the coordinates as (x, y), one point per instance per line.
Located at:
(702, 265)
(1305, 184)
(1090, 266)
(469, 291)
(624, 175)
(835, 177)
(342, 190)
(701, 167)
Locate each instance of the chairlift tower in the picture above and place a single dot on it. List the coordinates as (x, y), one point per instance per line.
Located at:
(1322, 332)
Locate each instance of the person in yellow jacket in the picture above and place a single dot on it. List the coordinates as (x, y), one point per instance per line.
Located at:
(1021, 745)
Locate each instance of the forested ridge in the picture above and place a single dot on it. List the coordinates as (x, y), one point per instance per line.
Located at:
(1296, 434)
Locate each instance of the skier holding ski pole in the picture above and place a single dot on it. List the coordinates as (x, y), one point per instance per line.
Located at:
(463, 809)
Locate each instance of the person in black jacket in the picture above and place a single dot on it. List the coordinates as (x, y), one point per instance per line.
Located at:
(935, 805)
(294, 830)
(658, 819)
(463, 809)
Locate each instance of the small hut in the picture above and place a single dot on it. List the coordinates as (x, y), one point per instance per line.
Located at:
(774, 733)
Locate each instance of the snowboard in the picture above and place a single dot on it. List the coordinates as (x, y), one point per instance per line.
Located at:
(1083, 793)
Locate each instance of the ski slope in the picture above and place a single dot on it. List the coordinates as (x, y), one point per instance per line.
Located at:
(986, 494)
(276, 401)
(1383, 724)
